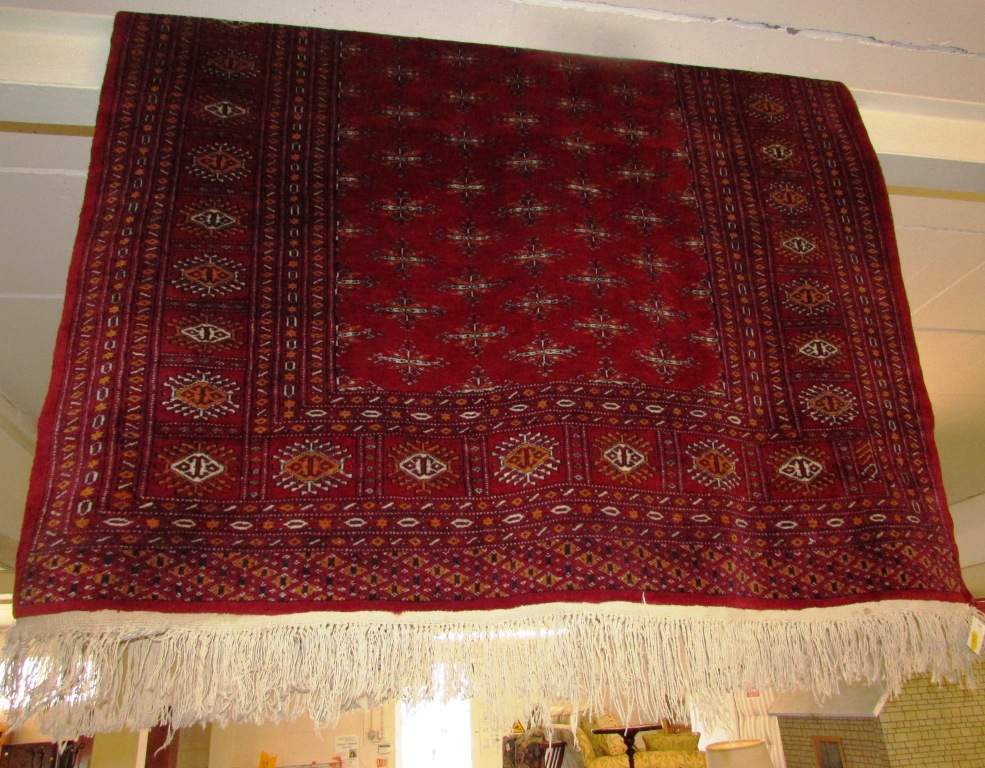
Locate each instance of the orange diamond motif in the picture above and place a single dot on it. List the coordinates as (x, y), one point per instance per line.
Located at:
(219, 162)
(311, 466)
(808, 295)
(201, 394)
(208, 275)
(715, 463)
(830, 403)
(527, 457)
(788, 197)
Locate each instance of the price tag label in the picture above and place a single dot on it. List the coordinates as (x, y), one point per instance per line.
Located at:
(976, 635)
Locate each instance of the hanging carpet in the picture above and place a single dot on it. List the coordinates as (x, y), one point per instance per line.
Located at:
(591, 380)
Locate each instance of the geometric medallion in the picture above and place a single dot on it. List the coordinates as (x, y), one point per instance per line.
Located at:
(225, 109)
(767, 107)
(195, 468)
(624, 457)
(799, 246)
(232, 64)
(311, 466)
(526, 458)
(423, 466)
(208, 275)
(808, 297)
(206, 333)
(817, 348)
(829, 404)
(714, 465)
(201, 395)
(801, 470)
(219, 162)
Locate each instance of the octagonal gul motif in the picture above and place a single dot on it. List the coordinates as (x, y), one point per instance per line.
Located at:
(311, 466)
(714, 465)
(219, 162)
(818, 349)
(232, 64)
(423, 466)
(526, 458)
(802, 470)
(201, 395)
(829, 405)
(208, 275)
(196, 469)
(624, 457)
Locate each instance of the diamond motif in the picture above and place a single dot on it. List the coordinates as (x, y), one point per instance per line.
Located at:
(526, 458)
(818, 349)
(225, 110)
(808, 298)
(201, 395)
(423, 467)
(714, 465)
(777, 151)
(219, 162)
(197, 467)
(207, 333)
(310, 467)
(830, 405)
(799, 245)
(213, 219)
(801, 468)
(625, 458)
(234, 64)
(209, 275)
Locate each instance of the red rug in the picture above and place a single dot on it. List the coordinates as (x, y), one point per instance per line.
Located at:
(363, 323)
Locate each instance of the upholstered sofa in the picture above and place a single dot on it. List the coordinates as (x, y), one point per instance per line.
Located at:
(663, 749)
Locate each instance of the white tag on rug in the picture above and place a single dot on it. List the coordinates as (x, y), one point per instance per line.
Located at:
(976, 635)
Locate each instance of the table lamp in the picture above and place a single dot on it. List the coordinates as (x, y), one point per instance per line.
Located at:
(742, 753)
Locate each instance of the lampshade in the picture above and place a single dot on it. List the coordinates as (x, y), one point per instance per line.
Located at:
(743, 753)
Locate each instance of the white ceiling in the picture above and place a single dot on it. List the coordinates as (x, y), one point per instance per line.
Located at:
(916, 68)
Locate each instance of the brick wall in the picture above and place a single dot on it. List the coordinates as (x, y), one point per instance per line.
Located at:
(928, 725)
(861, 737)
(936, 725)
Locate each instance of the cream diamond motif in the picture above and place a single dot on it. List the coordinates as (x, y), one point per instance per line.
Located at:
(206, 333)
(624, 457)
(423, 466)
(801, 468)
(197, 467)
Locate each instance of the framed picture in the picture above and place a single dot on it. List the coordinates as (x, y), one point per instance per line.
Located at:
(828, 751)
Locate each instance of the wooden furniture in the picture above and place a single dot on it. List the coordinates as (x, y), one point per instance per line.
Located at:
(628, 734)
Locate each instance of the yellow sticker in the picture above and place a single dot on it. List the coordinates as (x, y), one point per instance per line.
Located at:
(976, 635)
(518, 727)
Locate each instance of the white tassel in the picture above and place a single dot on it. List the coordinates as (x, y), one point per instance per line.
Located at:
(83, 673)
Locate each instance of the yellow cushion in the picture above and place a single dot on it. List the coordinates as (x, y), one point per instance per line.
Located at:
(585, 745)
(678, 742)
(607, 744)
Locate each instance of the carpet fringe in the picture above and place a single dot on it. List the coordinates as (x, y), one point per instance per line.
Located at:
(84, 673)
